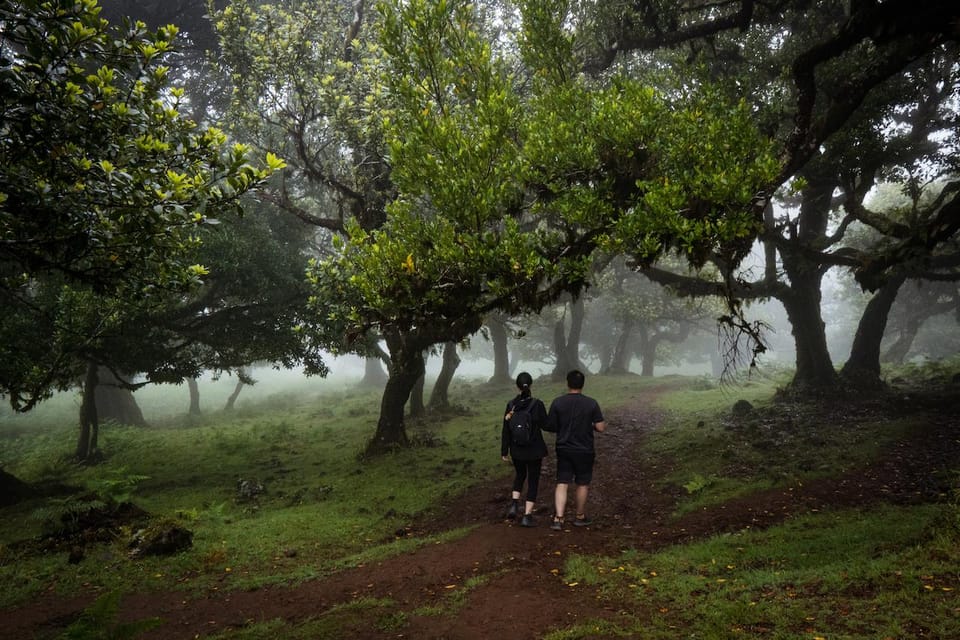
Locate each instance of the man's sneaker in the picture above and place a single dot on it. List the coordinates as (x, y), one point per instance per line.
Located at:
(582, 521)
(527, 521)
(557, 524)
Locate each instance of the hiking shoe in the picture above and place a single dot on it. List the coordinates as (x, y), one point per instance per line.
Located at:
(582, 521)
(557, 524)
(514, 510)
(527, 521)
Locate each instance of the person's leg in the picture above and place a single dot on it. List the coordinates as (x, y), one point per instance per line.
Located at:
(584, 474)
(533, 483)
(520, 466)
(560, 500)
(564, 478)
(580, 498)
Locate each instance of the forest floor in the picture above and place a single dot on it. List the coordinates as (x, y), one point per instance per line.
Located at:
(518, 590)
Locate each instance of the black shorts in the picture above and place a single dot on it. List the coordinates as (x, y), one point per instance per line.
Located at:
(574, 466)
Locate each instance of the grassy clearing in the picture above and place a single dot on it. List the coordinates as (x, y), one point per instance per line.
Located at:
(891, 572)
(886, 572)
(320, 510)
(719, 454)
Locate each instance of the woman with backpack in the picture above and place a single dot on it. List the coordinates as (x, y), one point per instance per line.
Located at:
(522, 439)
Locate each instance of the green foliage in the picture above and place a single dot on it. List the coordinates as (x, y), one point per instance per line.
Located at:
(103, 179)
(98, 622)
(503, 194)
(105, 188)
(119, 486)
(62, 514)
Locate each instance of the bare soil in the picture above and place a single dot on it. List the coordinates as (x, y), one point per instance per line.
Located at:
(522, 595)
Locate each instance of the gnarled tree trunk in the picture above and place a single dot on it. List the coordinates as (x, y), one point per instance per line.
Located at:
(417, 408)
(115, 401)
(440, 396)
(406, 367)
(620, 361)
(862, 368)
(501, 352)
(373, 373)
(567, 344)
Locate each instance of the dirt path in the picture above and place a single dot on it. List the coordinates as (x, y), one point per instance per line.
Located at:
(520, 594)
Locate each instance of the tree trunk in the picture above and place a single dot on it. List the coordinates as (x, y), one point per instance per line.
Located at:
(862, 368)
(897, 352)
(89, 425)
(406, 367)
(194, 396)
(563, 365)
(116, 402)
(620, 362)
(501, 351)
(648, 353)
(417, 408)
(440, 397)
(373, 374)
(232, 400)
(577, 314)
(814, 368)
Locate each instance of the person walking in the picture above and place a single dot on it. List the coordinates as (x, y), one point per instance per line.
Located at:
(521, 441)
(574, 417)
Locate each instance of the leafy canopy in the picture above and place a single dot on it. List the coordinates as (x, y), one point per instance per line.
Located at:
(104, 189)
(507, 184)
(102, 178)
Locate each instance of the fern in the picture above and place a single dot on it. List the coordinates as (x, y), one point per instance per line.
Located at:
(61, 514)
(119, 487)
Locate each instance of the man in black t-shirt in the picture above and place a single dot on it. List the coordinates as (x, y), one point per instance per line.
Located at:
(574, 417)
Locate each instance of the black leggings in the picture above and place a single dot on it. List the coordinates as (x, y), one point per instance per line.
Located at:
(528, 470)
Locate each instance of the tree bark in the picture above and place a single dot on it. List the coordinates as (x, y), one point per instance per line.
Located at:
(862, 368)
(814, 367)
(406, 367)
(897, 352)
(194, 396)
(89, 425)
(620, 362)
(417, 407)
(373, 373)
(440, 396)
(232, 400)
(577, 314)
(501, 351)
(567, 345)
(116, 402)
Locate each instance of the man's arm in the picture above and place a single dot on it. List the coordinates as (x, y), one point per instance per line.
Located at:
(600, 426)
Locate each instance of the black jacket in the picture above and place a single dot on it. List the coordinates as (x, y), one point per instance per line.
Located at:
(537, 448)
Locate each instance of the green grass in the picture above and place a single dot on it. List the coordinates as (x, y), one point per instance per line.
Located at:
(320, 506)
(888, 572)
(717, 455)
(322, 509)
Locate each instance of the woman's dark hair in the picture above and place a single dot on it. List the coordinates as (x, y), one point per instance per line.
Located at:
(524, 380)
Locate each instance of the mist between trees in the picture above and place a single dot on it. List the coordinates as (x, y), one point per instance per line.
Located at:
(479, 187)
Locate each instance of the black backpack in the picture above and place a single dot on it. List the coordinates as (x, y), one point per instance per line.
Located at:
(520, 423)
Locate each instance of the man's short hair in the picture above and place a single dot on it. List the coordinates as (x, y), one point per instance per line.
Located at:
(575, 379)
